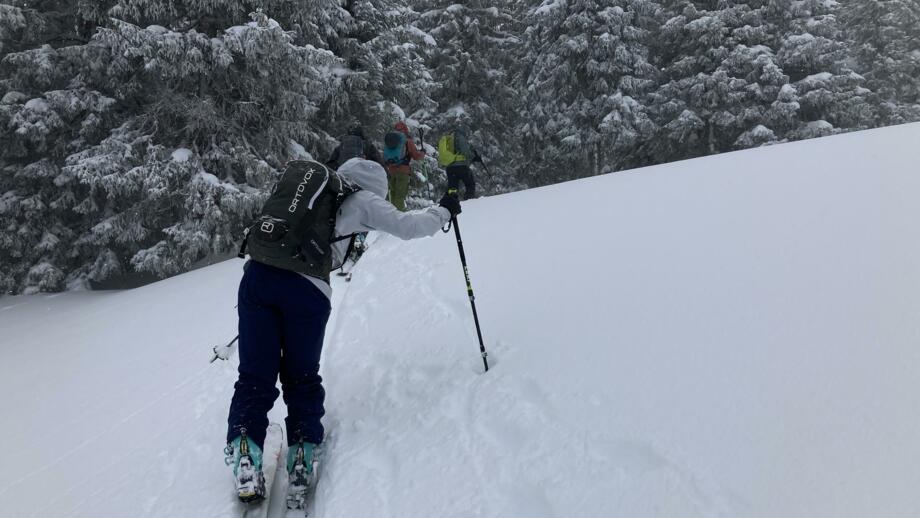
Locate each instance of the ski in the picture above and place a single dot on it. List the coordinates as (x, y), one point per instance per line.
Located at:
(302, 485)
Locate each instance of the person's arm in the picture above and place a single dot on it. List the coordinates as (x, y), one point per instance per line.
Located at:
(414, 152)
(381, 215)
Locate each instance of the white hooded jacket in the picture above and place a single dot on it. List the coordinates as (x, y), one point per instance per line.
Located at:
(368, 210)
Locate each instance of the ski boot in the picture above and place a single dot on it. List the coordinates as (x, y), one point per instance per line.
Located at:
(246, 458)
(301, 466)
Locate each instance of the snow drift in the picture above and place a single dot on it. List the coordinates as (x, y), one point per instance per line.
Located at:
(728, 336)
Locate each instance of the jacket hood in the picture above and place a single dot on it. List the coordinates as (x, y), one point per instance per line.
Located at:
(366, 174)
(401, 126)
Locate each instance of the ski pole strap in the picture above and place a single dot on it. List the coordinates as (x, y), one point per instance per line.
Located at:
(349, 250)
(452, 191)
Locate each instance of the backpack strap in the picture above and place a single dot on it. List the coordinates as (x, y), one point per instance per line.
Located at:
(242, 253)
(406, 160)
(348, 250)
(347, 189)
(343, 238)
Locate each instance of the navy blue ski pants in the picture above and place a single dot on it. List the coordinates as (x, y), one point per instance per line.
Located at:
(282, 322)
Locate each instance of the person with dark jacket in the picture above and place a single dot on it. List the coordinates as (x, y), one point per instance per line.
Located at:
(398, 169)
(456, 154)
(353, 145)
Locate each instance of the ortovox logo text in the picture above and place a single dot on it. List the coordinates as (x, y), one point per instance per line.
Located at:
(300, 189)
(268, 227)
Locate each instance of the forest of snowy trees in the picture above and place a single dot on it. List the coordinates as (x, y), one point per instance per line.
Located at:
(140, 136)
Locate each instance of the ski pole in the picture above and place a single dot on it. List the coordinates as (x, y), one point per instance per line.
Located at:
(469, 285)
(425, 165)
(484, 167)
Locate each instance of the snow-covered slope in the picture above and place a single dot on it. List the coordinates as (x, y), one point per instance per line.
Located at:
(731, 336)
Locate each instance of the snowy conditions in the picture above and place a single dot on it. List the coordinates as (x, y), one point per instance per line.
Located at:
(731, 336)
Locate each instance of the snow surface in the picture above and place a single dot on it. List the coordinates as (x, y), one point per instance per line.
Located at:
(732, 336)
(819, 125)
(549, 6)
(822, 77)
(13, 97)
(207, 178)
(298, 152)
(182, 154)
(37, 104)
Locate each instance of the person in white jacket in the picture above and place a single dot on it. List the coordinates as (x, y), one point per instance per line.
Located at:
(368, 210)
(282, 322)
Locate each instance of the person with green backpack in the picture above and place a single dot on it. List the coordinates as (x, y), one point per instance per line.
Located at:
(456, 154)
(398, 152)
(302, 234)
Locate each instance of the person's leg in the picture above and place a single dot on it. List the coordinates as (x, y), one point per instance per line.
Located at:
(469, 184)
(260, 355)
(399, 190)
(306, 311)
(453, 177)
(391, 188)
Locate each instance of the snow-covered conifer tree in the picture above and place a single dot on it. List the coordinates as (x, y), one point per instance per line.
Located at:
(719, 80)
(49, 108)
(586, 74)
(741, 74)
(162, 142)
(385, 78)
(813, 52)
(885, 41)
(471, 63)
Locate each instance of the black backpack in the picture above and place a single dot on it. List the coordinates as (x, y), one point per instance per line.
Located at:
(296, 227)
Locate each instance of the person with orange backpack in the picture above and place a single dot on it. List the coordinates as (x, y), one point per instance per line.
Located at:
(398, 152)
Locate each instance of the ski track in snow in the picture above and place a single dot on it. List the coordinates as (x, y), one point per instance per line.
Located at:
(131, 416)
(500, 430)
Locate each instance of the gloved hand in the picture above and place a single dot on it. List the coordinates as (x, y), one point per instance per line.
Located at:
(451, 202)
